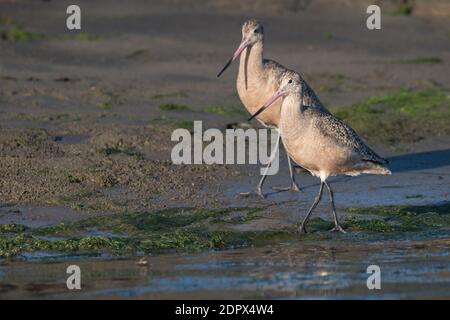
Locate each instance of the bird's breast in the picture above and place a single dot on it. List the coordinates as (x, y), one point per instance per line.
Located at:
(254, 94)
(311, 149)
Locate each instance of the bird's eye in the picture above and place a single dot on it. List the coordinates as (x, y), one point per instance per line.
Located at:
(290, 81)
(255, 31)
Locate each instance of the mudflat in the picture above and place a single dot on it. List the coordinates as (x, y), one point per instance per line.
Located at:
(85, 124)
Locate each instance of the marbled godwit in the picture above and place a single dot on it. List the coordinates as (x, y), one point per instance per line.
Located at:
(257, 81)
(320, 142)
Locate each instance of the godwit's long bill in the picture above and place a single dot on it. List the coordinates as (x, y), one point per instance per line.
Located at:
(257, 80)
(320, 142)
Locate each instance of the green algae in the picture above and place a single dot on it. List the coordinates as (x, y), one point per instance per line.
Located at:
(404, 116)
(200, 239)
(12, 228)
(20, 34)
(173, 107)
(386, 222)
(179, 239)
(349, 223)
(401, 218)
(88, 37)
(372, 225)
(170, 229)
(175, 94)
(6, 21)
(146, 222)
(230, 110)
(106, 105)
(58, 117)
(192, 229)
(185, 124)
(403, 8)
(11, 246)
(319, 224)
(420, 60)
(73, 179)
(223, 110)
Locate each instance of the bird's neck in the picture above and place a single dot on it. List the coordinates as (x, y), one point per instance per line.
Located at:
(251, 60)
(290, 112)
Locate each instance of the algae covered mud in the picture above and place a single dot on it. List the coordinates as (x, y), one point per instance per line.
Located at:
(196, 229)
(297, 269)
(188, 253)
(85, 141)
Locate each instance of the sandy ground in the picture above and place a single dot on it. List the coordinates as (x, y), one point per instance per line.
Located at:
(63, 102)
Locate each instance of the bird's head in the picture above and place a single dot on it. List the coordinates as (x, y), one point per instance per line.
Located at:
(289, 83)
(252, 33)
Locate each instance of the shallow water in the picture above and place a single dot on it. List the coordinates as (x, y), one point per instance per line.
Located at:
(298, 269)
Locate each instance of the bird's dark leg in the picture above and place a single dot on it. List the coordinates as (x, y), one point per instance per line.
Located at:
(314, 205)
(337, 227)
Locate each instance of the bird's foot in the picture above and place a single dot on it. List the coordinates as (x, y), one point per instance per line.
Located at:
(338, 228)
(281, 188)
(301, 229)
(257, 192)
(293, 187)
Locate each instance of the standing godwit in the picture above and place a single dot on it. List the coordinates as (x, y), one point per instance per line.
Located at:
(257, 81)
(320, 142)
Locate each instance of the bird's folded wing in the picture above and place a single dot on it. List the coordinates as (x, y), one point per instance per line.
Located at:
(345, 136)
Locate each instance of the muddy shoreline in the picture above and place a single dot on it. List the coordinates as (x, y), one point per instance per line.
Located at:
(85, 171)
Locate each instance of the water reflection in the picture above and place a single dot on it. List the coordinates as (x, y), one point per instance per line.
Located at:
(413, 269)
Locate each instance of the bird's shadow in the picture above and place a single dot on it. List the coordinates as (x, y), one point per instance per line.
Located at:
(419, 161)
(400, 163)
(413, 162)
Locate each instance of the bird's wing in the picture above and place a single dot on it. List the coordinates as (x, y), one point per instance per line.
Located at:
(310, 98)
(344, 135)
(276, 68)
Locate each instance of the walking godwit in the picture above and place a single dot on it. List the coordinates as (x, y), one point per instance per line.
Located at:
(320, 142)
(257, 81)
